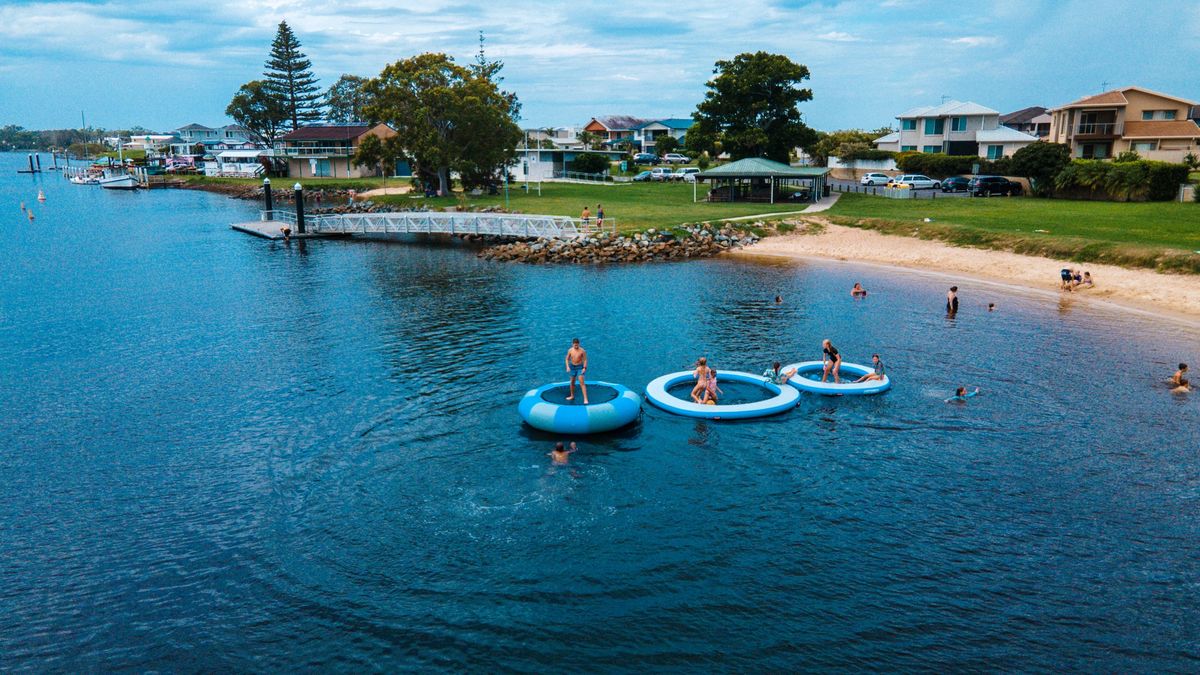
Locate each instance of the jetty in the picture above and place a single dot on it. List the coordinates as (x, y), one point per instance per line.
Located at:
(344, 225)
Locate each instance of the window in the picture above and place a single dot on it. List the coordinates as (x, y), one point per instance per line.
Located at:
(908, 148)
(931, 148)
(935, 127)
(1144, 146)
(321, 168)
(995, 151)
(1158, 114)
(908, 125)
(958, 124)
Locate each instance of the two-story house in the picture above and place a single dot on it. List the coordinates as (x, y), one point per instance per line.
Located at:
(613, 129)
(1033, 120)
(1154, 125)
(649, 132)
(955, 128)
(325, 151)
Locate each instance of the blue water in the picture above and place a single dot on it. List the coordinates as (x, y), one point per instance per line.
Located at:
(220, 453)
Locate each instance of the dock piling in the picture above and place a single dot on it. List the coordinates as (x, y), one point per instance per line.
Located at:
(299, 208)
(268, 205)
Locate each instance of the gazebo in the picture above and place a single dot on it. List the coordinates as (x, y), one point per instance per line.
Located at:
(757, 179)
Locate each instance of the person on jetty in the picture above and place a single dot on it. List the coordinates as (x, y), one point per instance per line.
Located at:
(832, 361)
(700, 375)
(1179, 381)
(586, 216)
(577, 366)
(599, 215)
(880, 371)
(961, 395)
(777, 376)
(952, 300)
(559, 455)
(711, 389)
(858, 291)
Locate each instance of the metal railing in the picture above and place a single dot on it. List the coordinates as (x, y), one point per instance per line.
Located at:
(318, 151)
(445, 222)
(1099, 129)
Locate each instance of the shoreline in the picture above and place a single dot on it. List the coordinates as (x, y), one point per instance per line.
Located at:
(1146, 292)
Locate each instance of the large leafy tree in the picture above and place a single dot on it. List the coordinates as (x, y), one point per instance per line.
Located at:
(289, 78)
(344, 100)
(447, 117)
(750, 108)
(1041, 163)
(259, 110)
(835, 143)
(379, 154)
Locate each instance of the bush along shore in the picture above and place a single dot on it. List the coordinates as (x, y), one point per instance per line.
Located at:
(687, 241)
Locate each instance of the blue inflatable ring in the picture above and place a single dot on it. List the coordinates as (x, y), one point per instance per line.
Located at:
(539, 409)
(784, 399)
(808, 378)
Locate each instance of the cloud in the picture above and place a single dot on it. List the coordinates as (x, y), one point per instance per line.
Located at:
(838, 36)
(974, 41)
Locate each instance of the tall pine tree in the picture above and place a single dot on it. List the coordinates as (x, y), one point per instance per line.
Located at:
(289, 78)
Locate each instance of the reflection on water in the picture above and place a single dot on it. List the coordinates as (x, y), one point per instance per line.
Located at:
(247, 455)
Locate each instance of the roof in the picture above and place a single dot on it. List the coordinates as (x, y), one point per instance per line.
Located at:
(195, 127)
(893, 137)
(678, 123)
(1003, 134)
(1162, 129)
(1023, 116)
(761, 167)
(620, 122)
(321, 132)
(1194, 112)
(947, 109)
(1116, 97)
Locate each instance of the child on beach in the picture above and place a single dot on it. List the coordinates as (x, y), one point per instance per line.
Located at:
(700, 374)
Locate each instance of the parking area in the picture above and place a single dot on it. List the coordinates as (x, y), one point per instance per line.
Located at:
(838, 185)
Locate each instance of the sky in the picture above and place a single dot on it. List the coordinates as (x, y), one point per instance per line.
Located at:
(162, 64)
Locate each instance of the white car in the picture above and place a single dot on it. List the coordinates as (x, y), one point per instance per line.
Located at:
(915, 181)
(660, 173)
(875, 179)
(675, 158)
(686, 174)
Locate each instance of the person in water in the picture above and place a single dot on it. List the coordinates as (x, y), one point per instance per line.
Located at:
(832, 361)
(952, 300)
(577, 366)
(858, 291)
(559, 454)
(779, 299)
(961, 394)
(711, 389)
(700, 374)
(1179, 380)
(777, 376)
(879, 373)
(991, 306)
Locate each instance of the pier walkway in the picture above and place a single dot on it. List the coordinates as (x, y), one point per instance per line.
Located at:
(423, 222)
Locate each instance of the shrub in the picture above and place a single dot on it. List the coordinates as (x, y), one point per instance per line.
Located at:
(703, 161)
(665, 143)
(1127, 156)
(1041, 163)
(589, 162)
(865, 153)
(1164, 180)
(1140, 179)
(939, 165)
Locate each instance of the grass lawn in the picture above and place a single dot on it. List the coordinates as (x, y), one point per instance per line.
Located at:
(1161, 235)
(635, 206)
(287, 183)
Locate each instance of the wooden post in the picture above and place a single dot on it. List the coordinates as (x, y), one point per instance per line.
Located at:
(299, 193)
(268, 201)
(39, 161)
(31, 163)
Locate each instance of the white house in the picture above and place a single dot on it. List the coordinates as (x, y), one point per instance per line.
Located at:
(955, 128)
(649, 132)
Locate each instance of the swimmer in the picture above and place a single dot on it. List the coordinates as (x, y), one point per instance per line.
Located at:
(22, 206)
(30, 214)
(879, 373)
(832, 361)
(961, 394)
(858, 291)
(776, 376)
(700, 374)
(991, 306)
(952, 300)
(560, 454)
(1179, 381)
(577, 366)
(711, 389)
(779, 299)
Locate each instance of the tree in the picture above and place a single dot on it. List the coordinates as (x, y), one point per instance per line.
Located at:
(447, 117)
(289, 78)
(590, 162)
(1041, 163)
(344, 100)
(834, 143)
(380, 154)
(750, 108)
(588, 139)
(666, 143)
(257, 109)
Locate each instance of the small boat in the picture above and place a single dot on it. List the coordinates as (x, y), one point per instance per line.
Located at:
(84, 180)
(119, 182)
(41, 196)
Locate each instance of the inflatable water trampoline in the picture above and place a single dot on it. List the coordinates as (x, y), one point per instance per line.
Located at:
(808, 378)
(610, 406)
(781, 398)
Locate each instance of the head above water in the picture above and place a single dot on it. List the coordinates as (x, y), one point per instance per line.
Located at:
(778, 298)
(954, 289)
(874, 357)
(1183, 366)
(857, 284)
(558, 447)
(961, 391)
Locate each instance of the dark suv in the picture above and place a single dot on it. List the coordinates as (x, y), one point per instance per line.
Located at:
(986, 186)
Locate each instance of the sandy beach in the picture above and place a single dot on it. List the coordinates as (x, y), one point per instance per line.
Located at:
(1168, 294)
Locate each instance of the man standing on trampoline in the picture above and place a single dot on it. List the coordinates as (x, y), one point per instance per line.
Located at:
(577, 366)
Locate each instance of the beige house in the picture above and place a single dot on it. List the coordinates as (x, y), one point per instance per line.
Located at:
(1154, 125)
(955, 128)
(325, 151)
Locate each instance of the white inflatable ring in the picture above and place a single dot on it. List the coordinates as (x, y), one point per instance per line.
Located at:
(808, 378)
(784, 398)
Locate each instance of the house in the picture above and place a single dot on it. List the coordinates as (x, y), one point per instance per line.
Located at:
(1154, 125)
(559, 137)
(954, 128)
(647, 133)
(324, 150)
(535, 164)
(1033, 120)
(195, 133)
(613, 129)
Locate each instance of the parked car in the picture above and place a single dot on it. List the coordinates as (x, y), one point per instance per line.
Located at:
(645, 158)
(915, 181)
(686, 174)
(955, 184)
(660, 173)
(986, 186)
(643, 176)
(675, 158)
(875, 179)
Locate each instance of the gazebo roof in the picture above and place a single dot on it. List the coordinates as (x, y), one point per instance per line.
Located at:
(761, 167)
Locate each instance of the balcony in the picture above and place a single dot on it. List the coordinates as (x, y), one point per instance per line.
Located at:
(1098, 130)
(318, 151)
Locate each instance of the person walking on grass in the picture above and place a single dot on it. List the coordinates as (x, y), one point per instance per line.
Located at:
(577, 363)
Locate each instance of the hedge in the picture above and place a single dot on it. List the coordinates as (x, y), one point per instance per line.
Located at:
(873, 154)
(589, 162)
(1124, 181)
(939, 165)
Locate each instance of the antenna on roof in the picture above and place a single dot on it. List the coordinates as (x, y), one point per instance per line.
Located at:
(945, 98)
(1104, 86)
